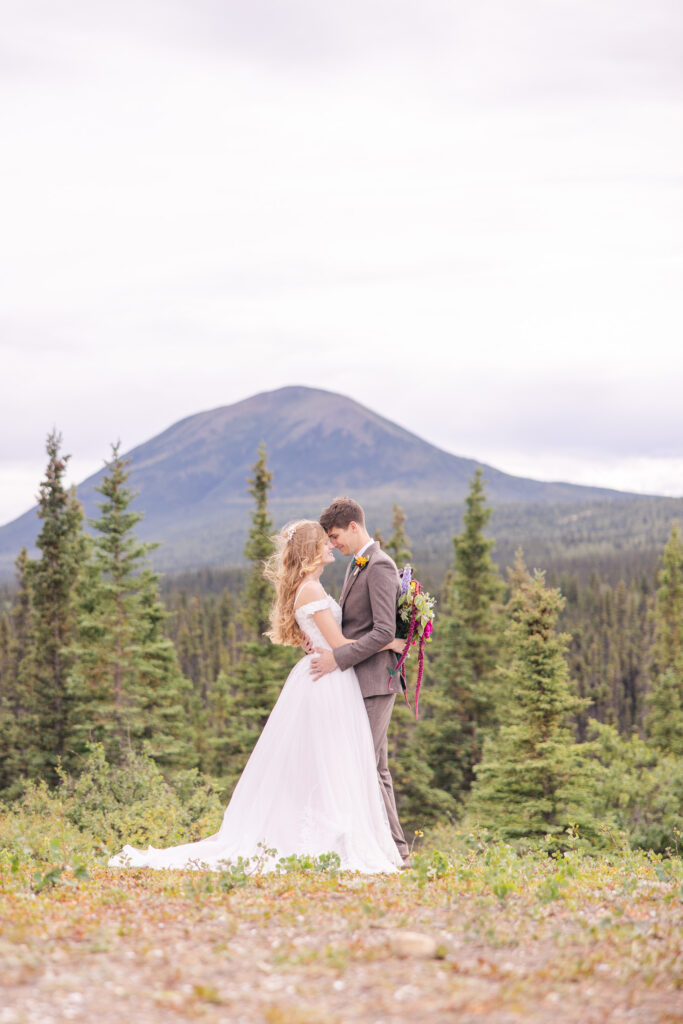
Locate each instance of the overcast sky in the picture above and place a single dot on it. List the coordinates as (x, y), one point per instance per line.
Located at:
(467, 216)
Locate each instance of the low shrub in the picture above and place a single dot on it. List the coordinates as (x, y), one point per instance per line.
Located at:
(85, 820)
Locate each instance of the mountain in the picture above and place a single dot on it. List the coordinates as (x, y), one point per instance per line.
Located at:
(192, 478)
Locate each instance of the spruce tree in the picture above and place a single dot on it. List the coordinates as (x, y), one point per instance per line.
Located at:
(398, 545)
(419, 800)
(458, 702)
(664, 721)
(221, 752)
(165, 700)
(447, 730)
(258, 594)
(532, 780)
(413, 751)
(415, 747)
(54, 578)
(262, 667)
(20, 751)
(611, 638)
(126, 685)
(191, 648)
(474, 600)
(204, 631)
(7, 698)
(5, 639)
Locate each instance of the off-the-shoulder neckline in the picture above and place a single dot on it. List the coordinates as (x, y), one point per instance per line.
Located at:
(307, 604)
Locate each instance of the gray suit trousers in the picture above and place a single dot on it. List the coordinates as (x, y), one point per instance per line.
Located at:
(379, 710)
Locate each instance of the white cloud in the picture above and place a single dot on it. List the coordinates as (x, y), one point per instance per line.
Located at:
(479, 203)
(662, 476)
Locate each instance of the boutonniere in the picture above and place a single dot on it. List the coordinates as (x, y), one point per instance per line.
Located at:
(360, 563)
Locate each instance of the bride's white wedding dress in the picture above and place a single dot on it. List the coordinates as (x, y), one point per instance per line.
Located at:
(310, 785)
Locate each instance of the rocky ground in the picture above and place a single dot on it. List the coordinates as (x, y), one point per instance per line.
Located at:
(511, 940)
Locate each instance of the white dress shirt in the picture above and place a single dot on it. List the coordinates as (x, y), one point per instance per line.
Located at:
(364, 548)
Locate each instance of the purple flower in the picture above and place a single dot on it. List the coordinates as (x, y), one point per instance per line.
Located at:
(406, 577)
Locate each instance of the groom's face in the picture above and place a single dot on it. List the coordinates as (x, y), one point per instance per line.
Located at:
(344, 538)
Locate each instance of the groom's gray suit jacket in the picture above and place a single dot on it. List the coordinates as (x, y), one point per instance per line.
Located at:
(368, 602)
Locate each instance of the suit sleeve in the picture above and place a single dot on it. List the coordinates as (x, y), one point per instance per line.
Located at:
(382, 592)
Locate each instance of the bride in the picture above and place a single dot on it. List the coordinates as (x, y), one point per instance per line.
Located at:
(310, 786)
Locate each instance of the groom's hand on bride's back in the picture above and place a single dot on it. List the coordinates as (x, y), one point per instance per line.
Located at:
(322, 663)
(307, 645)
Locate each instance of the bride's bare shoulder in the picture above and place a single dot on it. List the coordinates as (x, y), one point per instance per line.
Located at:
(311, 590)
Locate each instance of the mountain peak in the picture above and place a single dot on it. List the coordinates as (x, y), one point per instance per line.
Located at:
(191, 480)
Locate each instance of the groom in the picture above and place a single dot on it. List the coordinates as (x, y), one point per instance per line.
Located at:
(368, 602)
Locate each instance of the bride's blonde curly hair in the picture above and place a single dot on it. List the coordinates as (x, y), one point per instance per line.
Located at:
(299, 548)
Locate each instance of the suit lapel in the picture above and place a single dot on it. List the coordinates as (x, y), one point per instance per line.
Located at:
(345, 583)
(353, 575)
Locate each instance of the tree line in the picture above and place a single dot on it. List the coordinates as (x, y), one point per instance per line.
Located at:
(546, 707)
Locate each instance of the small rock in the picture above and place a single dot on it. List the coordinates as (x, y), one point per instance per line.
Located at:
(413, 944)
(406, 992)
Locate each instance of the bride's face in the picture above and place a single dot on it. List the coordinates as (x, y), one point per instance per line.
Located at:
(327, 552)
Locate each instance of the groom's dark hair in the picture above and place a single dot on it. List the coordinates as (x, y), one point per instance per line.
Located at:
(340, 513)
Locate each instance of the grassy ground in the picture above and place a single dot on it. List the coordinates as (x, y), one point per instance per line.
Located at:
(502, 937)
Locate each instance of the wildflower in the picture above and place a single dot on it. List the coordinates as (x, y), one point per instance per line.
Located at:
(414, 616)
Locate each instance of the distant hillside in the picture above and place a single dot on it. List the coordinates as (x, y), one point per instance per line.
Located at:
(192, 481)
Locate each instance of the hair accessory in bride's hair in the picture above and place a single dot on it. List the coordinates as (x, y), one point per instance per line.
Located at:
(289, 534)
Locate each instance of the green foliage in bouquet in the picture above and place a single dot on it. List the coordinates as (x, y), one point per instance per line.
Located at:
(416, 608)
(414, 623)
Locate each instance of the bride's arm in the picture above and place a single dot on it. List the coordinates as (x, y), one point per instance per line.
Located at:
(326, 623)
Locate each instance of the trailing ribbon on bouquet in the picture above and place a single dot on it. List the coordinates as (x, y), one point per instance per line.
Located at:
(415, 621)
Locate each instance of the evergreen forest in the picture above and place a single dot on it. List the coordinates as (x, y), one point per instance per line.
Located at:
(551, 711)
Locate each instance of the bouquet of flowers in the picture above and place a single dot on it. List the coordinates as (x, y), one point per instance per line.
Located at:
(415, 623)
